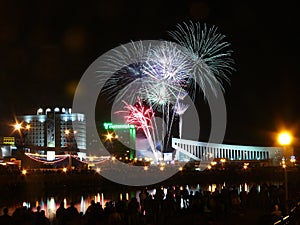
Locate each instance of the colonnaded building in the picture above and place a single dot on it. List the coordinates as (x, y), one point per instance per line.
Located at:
(186, 150)
(54, 128)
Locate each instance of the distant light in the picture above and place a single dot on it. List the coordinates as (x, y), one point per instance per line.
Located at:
(223, 160)
(40, 111)
(109, 136)
(213, 163)
(24, 172)
(284, 138)
(293, 159)
(146, 168)
(64, 170)
(18, 126)
(180, 168)
(27, 127)
(283, 166)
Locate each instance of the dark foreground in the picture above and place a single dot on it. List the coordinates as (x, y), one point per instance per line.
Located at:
(199, 208)
(226, 206)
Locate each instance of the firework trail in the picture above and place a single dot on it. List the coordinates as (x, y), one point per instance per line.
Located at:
(142, 117)
(180, 109)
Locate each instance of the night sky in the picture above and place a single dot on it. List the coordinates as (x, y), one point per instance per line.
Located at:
(45, 47)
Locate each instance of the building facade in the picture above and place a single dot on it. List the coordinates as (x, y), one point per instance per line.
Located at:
(186, 150)
(54, 128)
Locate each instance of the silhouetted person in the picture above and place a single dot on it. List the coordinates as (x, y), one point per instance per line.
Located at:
(133, 212)
(61, 214)
(6, 219)
(42, 219)
(114, 217)
(185, 197)
(72, 217)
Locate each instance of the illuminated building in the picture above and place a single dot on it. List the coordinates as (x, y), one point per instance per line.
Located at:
(7, 144)
(7, 141)
(125, 133)
(53, 128)
(207, 152)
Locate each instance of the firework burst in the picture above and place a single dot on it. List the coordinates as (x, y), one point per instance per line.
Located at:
(161, 75)
(208, 51)
(122, 73)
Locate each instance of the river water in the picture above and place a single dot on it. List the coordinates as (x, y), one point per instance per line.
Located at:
(82, 201)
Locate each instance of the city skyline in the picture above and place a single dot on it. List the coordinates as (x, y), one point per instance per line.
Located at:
(45, 50)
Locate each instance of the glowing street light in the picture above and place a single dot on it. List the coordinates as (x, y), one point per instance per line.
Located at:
(18, 126)
(24, 172)
(109, 136)
(284, 138)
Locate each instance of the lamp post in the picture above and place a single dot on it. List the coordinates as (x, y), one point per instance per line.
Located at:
(285, 139)
(17, 127)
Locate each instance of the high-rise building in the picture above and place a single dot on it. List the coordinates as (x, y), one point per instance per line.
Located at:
(54, 128)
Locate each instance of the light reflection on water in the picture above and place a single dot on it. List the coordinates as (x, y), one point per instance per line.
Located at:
(50, 204)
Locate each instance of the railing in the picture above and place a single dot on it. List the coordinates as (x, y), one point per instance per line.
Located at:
(291, 218)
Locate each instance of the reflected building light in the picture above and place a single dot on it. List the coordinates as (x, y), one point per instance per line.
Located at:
(82, 204)
(165, 191)
(98, 197)
(51, 206)
(42, 204)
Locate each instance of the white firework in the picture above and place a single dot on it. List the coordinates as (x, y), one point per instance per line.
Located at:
(210, 55)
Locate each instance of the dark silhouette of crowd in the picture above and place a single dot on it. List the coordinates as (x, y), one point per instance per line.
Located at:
(178, 206)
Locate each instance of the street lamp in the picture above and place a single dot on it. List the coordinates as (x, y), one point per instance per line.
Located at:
(18, 126)
(285, 139)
